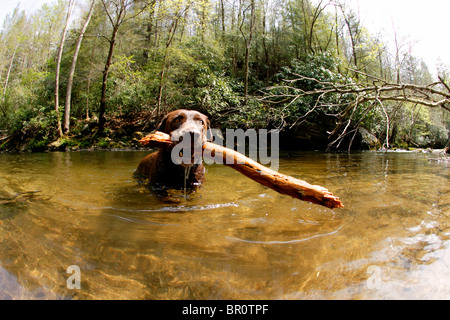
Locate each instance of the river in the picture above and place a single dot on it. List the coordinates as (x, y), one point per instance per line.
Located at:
(234, 239)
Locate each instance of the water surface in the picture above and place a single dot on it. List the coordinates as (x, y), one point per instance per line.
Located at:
(235, 239)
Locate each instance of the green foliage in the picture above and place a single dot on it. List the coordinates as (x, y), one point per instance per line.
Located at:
(104, 143)
(191, 54)
(128, 85)
(33, 126)
(315, 73)
(38, 145)
(212, 90)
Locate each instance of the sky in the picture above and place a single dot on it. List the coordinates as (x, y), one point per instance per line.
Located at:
(8, 6)
(426, 23)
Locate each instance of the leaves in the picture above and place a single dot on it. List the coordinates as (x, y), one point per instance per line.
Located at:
(198, 54)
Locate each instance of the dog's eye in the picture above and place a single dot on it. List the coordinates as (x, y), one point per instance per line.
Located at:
(200, 121)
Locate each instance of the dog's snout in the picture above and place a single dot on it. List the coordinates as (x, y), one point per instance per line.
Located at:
(194, 136)
(188, 136)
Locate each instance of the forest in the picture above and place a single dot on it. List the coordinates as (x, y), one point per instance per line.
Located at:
(78, 74)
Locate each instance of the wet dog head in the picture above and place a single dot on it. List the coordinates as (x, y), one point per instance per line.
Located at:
(188, 127)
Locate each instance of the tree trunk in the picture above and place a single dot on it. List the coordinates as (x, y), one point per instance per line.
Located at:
(315, 17)
(7, 80)
(222, 16)
(88, 88)
(58, 65)
(150, 31)
(72, 71)
(248, 44)
(162, 74)
(353, 36)
(116, 21)
(103, 102)
(266, 52)
(9, 73)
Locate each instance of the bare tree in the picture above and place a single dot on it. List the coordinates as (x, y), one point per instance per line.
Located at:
(315, 16)
(353, 25)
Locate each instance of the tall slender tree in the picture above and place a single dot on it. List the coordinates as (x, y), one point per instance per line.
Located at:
(180, 11)
(248, 42)
(72, 69)
(117, 13)
(58, 65)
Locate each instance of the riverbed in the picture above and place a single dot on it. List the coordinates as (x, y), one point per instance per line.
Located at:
(234, 239)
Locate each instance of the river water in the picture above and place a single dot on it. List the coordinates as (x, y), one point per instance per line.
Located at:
(235, 239)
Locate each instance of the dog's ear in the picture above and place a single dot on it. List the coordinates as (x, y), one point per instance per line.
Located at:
(162, 125)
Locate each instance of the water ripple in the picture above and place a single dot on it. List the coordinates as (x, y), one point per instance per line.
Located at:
(287, 241)
(179, 208)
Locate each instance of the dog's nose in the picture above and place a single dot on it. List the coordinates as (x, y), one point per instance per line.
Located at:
(187, 136)
(194, 136)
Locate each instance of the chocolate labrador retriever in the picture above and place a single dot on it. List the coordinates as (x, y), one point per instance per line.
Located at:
(166, 169)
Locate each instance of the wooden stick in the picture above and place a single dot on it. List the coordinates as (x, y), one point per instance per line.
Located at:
(281, 183)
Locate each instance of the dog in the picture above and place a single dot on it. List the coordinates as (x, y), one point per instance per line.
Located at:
(159, 167)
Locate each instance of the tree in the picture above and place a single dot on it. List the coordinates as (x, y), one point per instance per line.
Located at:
(17, 21)
(248, 42)
(365, 97)
(216, 56)
(180, 10)
(353, 25)
(72, 70)
(117, 15)
(58, 66)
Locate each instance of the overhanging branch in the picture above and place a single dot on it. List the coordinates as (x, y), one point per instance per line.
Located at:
(374, 90)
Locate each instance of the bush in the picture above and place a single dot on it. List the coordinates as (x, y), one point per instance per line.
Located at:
(32, 125)
(299, 77)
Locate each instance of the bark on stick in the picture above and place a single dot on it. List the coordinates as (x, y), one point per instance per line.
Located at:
(279, 182)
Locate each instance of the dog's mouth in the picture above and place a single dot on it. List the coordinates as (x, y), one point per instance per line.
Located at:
(188, 149)
(190, 158)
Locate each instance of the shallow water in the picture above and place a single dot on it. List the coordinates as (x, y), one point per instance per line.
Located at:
(235, 239)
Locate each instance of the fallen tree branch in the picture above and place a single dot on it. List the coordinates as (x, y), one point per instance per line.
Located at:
(374, 91)
(281, 183)
(424, 95)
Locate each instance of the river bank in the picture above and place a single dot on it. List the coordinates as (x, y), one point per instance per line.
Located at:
(133, 144)
(124, 133)
(121, 133)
